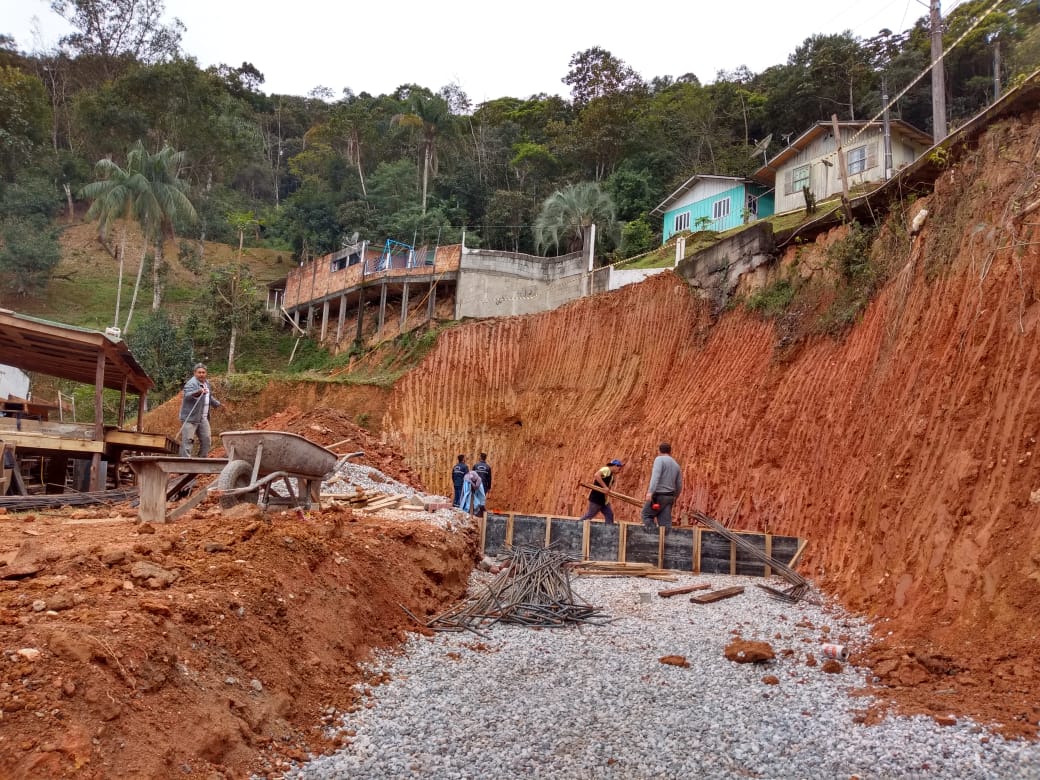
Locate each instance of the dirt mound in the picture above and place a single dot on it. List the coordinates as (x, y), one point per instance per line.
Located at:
(216, 646)
(334, 429)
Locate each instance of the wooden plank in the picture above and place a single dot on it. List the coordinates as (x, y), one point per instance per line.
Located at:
(38, 442)
(798, 554)
(667, 594)
(718, 595)
(697, 550)
(732, 557)
(613, 494)
(174, 464)
(193, 500)
(769, 554)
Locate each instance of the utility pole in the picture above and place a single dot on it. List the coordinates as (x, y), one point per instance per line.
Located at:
(886, 124)
(842, 167)
(938, 83)
(996, 68)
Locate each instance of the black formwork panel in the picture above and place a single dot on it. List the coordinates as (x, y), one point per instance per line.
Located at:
(567, 535)
(642, 544)
(528, 530)
(678, 549)
(716, 551)
(784, 548)
(604, 541)
(494, 533)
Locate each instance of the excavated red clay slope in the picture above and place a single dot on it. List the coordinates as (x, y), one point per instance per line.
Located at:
(906, 452)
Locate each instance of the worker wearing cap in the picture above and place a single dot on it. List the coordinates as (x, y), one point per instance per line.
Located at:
(599, 501)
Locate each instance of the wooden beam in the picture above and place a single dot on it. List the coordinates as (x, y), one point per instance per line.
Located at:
(718, 595)
(667, 594)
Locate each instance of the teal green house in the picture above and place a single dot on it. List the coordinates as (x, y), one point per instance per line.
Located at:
(717, 203)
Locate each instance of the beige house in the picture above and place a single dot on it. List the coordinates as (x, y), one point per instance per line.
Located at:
(811, 160)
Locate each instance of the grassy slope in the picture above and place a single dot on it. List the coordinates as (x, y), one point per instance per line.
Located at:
(83, 290)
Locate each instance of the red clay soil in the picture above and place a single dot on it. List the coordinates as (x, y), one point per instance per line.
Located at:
(212, 646)
(903, 449)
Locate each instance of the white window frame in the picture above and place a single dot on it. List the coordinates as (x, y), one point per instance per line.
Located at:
(797, 176)
(856, 159)
(720, 209)
(682, 222)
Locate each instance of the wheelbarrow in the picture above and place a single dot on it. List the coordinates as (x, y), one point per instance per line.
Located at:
(259, 459)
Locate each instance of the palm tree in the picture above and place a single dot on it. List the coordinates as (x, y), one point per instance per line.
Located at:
(113, 198)
(149, 191)
(568, 214)
(431, 114)
(160, 202)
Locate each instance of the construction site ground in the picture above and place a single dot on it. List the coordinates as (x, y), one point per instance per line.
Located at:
(894, 427)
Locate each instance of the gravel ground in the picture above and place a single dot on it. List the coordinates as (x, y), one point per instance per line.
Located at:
(596, 702)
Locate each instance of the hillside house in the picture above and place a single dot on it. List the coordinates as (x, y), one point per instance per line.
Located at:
(811, 160)
(713, 203)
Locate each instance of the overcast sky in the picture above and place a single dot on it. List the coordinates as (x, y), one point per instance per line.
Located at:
(490, 49)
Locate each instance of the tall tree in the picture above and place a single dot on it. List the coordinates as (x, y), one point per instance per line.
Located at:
(112, 198)
(234, 285)
(160, 203)
(596, 73)
(568, 214)
(431, 116)
(114, 29)
(150, 190)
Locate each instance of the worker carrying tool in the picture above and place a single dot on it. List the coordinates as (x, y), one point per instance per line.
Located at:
(599, 500)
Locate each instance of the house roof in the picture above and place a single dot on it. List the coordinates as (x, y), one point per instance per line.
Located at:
(662, 207)
(767, 173)
(68, 352)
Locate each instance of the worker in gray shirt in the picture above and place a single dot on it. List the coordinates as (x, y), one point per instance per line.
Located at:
(665, 487)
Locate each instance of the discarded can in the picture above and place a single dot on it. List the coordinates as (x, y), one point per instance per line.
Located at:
(838, 652)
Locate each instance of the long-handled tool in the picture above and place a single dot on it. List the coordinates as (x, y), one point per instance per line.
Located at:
(612, 493)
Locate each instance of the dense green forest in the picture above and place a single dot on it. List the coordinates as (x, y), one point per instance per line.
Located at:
(120, 119)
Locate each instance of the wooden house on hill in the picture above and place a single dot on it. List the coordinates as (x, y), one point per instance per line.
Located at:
(717, 203)
(811, 160)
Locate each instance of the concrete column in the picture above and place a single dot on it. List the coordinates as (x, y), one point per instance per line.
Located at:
(324, 320)
(382, 305)
(432, 302)
(360, 313)
(404, 305)
(342, 317)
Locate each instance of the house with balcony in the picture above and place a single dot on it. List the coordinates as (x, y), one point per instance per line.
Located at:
(811, 160)
(718, 203)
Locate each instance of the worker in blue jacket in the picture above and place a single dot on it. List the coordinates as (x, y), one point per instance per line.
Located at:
(458, 473)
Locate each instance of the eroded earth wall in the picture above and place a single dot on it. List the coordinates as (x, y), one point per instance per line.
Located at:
(905, 449)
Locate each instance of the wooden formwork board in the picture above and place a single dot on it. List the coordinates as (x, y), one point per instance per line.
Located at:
(694, 549)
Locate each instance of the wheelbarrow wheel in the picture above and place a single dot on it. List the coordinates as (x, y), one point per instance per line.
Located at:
(236, 474)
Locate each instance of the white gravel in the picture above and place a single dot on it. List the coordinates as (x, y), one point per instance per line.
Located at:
(596, 702)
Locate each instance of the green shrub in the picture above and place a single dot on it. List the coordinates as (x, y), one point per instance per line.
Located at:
(774, 299)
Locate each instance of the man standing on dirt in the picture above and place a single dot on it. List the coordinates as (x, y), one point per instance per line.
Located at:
(483, 468)
(458, 474)
(665, 487)
(194, 415)
(599, 501)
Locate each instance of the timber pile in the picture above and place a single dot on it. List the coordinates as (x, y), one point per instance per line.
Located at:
(372, 500)
(621, 569)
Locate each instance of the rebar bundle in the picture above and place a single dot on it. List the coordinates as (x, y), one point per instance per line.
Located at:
(55, 500)
(533, 589)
